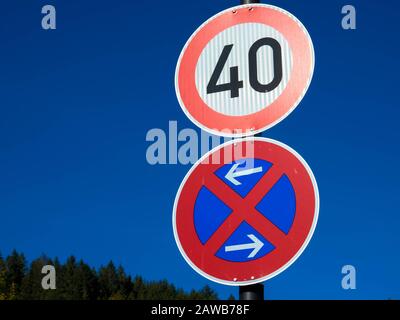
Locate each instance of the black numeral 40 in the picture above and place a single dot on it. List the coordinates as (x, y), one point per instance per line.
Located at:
(235, 84)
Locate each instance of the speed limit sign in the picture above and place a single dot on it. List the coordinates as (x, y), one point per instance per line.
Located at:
(244, 70)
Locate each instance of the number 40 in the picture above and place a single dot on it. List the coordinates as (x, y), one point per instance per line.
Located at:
(234, 85)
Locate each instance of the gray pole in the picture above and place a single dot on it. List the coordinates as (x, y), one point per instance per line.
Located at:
(248, 1)
(254, 291)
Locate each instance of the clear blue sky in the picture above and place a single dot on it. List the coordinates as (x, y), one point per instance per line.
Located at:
(76, 104)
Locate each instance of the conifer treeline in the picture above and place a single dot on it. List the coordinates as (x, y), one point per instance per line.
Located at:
(75, 280)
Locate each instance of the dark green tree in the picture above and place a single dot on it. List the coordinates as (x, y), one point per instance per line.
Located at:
(16, 268)
(108, 281)
(3, 279)
(70, 287)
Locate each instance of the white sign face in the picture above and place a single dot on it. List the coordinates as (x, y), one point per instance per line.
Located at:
(244, 70)
(263, 60)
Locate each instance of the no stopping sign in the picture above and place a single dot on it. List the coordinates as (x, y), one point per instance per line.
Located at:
(248, 216)
(244, 70)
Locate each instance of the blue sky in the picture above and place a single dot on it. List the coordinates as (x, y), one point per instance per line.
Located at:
(76, 104)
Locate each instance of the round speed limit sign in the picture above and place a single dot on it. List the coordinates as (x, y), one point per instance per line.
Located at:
(244, 70)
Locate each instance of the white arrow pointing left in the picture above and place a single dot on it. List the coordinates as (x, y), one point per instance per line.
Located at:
(233, 173)
(256, 245)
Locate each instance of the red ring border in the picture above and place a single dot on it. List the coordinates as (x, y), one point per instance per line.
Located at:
(303, 65)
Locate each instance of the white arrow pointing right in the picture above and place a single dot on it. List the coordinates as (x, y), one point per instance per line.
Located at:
(256, 245)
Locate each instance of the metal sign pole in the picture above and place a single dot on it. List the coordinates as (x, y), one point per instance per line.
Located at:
(254, 291)
(248, 1)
